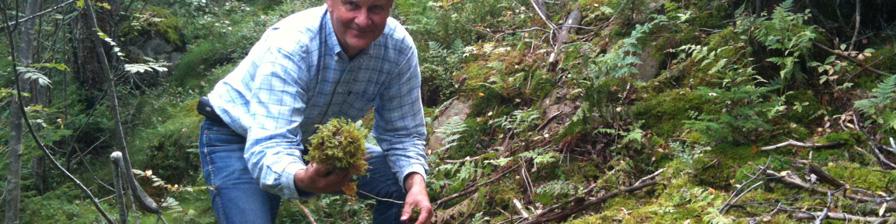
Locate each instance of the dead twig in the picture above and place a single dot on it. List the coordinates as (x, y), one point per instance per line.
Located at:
(519, 206)
(789, 178)
(572, 20)
(579, 203)
(853, 60)
(882, 158)
(737, 194)
(855, 33)
(466, 159)
(307, 212)
(542, 12)
(791, 142)
(473, 188)
(838, 216)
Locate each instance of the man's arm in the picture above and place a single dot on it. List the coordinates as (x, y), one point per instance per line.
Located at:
(400, 131)
(276, 106)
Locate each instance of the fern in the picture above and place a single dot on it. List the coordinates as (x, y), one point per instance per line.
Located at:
(452, 130)
(881, 103)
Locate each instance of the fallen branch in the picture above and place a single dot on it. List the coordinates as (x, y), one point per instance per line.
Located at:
(572, 22)
(580, 204)
(791, 142)
(473, 188)
(881, 158)
(790, 178)
(307, 212)
(465, 159)
(737, 194)
(519, 206)
(542, 12)
(838, 216)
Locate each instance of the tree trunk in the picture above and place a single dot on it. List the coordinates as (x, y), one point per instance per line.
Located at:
(13, 189)
(14, 175)
(89, 72)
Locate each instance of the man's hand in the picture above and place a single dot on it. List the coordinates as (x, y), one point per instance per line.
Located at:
(321, 179)
(417, 198)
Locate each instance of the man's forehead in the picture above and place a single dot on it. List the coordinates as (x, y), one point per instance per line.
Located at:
(368, 1)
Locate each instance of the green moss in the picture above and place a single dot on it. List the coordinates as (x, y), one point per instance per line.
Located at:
(339, 144)
(848, 138)
(802, 107)
(666, 111)
(861, 176)
(155, 21)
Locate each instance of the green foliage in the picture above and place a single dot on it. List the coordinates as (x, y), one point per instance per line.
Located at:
(339, 144)
(448, 21)
(167, 141)
(881, 104)
(788, 32)
(437, 68)
(154, 20)
(327, 209)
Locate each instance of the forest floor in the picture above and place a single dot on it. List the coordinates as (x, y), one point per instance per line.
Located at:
(587, 111)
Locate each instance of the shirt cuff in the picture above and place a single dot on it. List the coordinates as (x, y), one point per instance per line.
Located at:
(288, 181)
(413, 168)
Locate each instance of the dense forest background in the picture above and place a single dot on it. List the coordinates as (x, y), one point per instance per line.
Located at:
(579, 111)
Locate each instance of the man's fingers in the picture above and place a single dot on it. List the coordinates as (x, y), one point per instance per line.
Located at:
(406, 212)
(425, 215)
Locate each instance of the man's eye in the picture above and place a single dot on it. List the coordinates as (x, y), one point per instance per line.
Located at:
(377, 9)
(352, 5)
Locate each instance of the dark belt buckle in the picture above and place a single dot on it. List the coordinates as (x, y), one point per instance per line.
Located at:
(204, 107)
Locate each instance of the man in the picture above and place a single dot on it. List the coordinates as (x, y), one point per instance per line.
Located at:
(337, 60)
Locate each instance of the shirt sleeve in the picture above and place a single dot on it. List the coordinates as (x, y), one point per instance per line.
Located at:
(273, 141)
(399, 126)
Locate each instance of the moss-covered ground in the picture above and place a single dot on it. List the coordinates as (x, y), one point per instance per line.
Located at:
(541, 138)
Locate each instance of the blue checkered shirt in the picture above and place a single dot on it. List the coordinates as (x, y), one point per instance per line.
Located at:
(297, 76)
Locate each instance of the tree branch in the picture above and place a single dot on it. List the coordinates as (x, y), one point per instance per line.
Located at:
(853, 60)
(791, 142)
(144, 201)
(117, 174)
(8, 24)
(37, 140)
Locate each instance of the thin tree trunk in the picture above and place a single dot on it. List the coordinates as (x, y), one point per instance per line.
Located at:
(13, 189)
(14, 175)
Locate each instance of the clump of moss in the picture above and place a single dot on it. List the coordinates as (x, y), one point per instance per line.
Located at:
(339, 144)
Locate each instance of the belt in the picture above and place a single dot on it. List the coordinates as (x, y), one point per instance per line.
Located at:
(204, 107)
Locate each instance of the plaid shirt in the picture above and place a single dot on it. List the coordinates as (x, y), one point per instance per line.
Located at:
(297, 76)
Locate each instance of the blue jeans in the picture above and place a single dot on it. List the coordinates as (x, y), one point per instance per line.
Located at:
(237, 197)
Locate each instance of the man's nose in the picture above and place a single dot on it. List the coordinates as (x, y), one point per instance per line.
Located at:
(363, 19)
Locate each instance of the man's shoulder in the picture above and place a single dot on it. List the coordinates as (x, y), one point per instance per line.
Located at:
(396, 35)
(295, 31)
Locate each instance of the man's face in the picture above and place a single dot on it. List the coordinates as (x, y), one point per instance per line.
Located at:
(358, 22)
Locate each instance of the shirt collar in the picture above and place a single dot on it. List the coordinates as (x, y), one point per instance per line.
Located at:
(332, 43)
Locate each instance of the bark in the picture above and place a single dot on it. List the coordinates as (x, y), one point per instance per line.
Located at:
(14, 175)
(89, 72)
(13, 190)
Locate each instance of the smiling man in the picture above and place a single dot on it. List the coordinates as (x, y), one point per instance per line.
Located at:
(337, 60)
